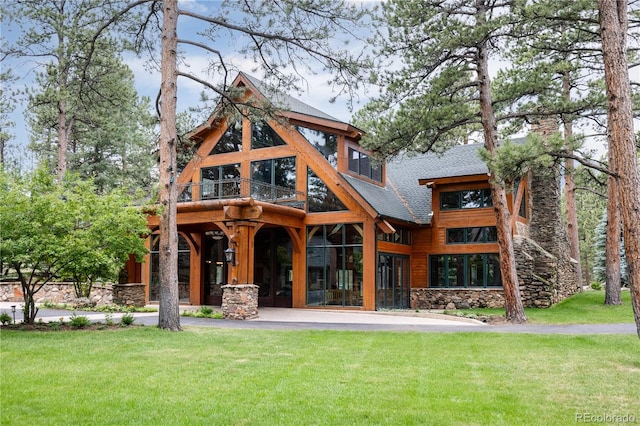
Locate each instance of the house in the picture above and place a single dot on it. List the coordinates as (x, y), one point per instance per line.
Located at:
(313, 222)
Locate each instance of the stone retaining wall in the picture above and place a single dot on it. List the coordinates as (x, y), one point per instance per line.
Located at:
(55, 293)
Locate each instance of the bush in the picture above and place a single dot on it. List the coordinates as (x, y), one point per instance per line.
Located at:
(127, 319)
(596, 285)
(79, 321)
(5, 318)
(206, 310)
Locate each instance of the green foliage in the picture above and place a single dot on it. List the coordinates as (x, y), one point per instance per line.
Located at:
(596, 285)
(52, 230)
(586, 307)
(79, 321)
(84, 94)
(5, 318)
(127, 319)
(204, 312)
(318, 377)
(600, 258)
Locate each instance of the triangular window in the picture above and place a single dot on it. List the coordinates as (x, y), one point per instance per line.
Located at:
(263, 136)
(319, 197)
(231, 141)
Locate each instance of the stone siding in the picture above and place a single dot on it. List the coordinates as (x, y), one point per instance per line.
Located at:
(55, 293)
(445, 298)
(240, 301)
(129, 295)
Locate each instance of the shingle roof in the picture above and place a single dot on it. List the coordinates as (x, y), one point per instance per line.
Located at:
(404, 198)
(460, 160)
(286, 102)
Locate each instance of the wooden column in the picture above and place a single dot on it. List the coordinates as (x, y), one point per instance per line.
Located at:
(240, 296)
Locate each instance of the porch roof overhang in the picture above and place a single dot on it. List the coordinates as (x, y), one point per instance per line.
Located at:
(222, 210)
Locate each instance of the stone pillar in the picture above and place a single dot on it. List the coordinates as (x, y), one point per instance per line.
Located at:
(129, 294)
(240, 296)
(240, 301)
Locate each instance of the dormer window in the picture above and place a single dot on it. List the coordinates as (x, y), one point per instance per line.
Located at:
(360, 163)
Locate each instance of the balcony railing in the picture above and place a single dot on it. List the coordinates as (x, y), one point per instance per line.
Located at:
(236, 188)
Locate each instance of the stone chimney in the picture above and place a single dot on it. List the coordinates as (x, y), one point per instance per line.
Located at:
(545, 127)
(546, 224)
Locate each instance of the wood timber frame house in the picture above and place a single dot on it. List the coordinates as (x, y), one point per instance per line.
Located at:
(313, 222)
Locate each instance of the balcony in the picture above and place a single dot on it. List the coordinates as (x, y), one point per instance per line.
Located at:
(239, 188)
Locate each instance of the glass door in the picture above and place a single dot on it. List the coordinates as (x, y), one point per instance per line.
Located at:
(392, 282)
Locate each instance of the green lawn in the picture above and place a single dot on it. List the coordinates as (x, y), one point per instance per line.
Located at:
(582, 308)
(146, 376)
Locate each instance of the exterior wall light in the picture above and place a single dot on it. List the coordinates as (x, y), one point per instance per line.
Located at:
(230, 256)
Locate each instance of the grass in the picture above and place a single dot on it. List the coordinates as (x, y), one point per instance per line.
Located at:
(147, 376)
(586, 307)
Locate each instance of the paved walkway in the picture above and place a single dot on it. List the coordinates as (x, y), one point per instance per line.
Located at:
(321, 319)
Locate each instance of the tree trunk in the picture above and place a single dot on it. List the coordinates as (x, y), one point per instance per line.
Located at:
(169, 311)
(570, 189)
(513, 301)
(612, 246)
(613, 30)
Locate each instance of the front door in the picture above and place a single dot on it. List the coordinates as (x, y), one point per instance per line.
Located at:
(214, 267)
(273, 269)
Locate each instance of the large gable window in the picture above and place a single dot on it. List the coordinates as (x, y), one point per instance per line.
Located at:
(220, 181)
(319, 197)
(263, 136)
(231, 141)
(361, 164)
(273, 179)
(325, 143)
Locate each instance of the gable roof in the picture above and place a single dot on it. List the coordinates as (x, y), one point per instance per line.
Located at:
(285, 102)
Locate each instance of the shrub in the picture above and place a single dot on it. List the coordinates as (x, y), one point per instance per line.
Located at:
(596, 285)
(108, 318)
(5, 318)
(127, 319)
(79, 321)
(206, 310)
(55, 325)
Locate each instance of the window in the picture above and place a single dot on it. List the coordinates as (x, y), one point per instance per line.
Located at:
(401, 236)
(184, 271)
(466, 199)
(360, 163)
(319, 197)
(464, 270)
(263, 136)
(325, 143)
(220, 181)
(273, 179)
(476, 235)
(334, 265)
(231, 141)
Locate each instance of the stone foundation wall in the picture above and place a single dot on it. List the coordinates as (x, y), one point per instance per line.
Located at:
(441, 298)
(55, 293)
